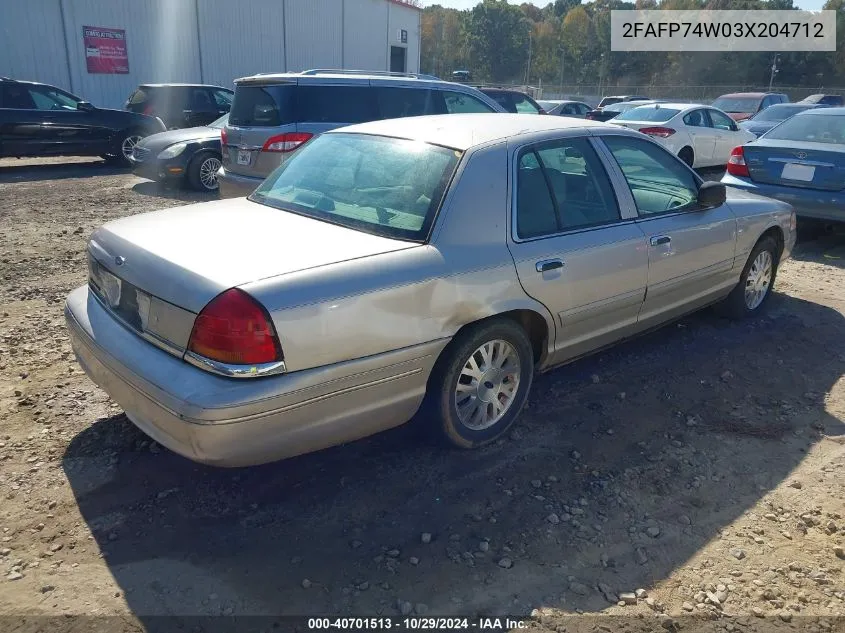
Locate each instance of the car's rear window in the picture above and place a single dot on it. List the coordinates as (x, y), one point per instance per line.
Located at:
(384, 186)
(737, 104)
(811, 128)
(652, 114)
(779, 112)
(263, 106)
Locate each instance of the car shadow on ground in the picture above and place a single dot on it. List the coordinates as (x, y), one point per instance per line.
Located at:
(34, 172)
(172, 191)
(643, 453)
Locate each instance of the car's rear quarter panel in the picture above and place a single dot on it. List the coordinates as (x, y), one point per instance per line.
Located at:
(376, 304)
(756, 215)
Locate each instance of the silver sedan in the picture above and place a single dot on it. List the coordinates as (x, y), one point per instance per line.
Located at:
(427, 265)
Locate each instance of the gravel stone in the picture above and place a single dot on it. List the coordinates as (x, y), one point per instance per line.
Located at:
(505, 563)
(738, 553)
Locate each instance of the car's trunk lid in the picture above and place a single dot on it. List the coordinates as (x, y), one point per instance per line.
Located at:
(812, 166)
(188, 255)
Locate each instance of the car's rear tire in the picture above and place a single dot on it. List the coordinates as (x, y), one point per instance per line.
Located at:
(202, 171)
(123, 146)
(480, 383)
(686, 155)
(752, 292)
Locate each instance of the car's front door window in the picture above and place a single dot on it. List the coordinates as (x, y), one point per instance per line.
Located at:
(222, 98)
(659, 182)
(720, 121)
(48, 99)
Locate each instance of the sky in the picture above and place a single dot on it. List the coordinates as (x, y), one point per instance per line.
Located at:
(808, 5)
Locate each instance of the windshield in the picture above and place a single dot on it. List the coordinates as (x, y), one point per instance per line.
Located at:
(778, 112)
(737, 104)
(652, 114)
(219, 123)
(385, 186)
(812, 128)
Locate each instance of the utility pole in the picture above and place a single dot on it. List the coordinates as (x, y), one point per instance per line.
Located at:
(774, 70)
(562, 61)
(528, 70)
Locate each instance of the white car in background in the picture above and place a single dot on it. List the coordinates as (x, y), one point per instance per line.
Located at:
(700, 135)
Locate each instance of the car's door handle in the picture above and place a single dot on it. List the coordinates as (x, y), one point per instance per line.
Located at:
(548, 264)
(658, 240)
(187, 111)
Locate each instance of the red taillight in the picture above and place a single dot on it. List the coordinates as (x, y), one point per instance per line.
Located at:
(736, 163)
(661, 132)
(224, 138)
(285, 142)
(148, 109)
(235, 329)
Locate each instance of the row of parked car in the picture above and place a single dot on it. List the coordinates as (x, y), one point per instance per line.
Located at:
(214, 138)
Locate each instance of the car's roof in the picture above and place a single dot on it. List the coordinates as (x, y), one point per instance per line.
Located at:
(838, 111)
(181, 86)
(348, 77)
(463, 131)
(749, 94)
(502, 90)
(674, 106)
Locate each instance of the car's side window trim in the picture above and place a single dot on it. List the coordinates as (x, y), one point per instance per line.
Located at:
(624, 204)
(624, 197)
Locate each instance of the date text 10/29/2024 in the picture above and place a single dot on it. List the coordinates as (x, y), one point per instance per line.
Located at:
(417, 624)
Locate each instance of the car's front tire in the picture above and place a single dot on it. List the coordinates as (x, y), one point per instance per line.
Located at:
(480, 383)
(202, 172)
(755, 284)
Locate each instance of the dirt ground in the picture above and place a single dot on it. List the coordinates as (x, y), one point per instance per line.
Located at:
(691, 478)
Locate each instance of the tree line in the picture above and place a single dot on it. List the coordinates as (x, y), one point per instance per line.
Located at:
(567, 43)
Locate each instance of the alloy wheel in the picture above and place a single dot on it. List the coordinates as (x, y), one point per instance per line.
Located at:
(759, 280)
(487, 384)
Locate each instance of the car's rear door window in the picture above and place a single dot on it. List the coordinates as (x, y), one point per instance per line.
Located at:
(577, 195)
(460, 103)
(385, 186)
(263, 105)
(336, 104)
(394, 103)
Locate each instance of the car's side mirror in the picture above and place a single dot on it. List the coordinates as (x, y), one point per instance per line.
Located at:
(85, 106)
(711, 195)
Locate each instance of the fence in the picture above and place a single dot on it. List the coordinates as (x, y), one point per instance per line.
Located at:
(592, 94)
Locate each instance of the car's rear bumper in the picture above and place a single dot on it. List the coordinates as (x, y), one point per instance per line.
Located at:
(234, 185)
(239, 422)
(808, 203)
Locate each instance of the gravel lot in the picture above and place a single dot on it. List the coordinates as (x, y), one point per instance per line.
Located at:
(691, 478)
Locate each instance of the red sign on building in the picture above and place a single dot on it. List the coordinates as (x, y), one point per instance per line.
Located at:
(105, 50)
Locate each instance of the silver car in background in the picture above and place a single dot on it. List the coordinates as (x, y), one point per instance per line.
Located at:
(389, 269)
(274, 114)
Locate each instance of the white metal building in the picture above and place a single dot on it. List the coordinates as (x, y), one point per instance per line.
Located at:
(201, 41)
